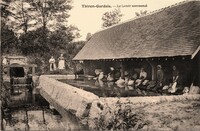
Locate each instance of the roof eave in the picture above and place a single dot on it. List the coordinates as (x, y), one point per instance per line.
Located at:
(118, 58)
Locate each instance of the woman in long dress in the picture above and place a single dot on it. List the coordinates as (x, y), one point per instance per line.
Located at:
(61, 63)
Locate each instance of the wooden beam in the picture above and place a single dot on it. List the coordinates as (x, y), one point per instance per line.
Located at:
(153, 70)
(195, 53)
(33, 71)
(122, 69)
(199, 68)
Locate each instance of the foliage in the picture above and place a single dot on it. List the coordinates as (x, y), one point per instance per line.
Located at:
(57, 41)
(4, 11)
(32, 42)
(123, 118)
(72, 49)
(9, 41)
(88, 37)
(20, 16)
(142, 13)
(38, 29)
(111, 18)
(28, 15)
(52, 13)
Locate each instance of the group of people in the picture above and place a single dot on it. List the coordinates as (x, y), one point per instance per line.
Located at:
(172, 87)
(160, 83)
(61, 63)
(140, 80)
(113, 75)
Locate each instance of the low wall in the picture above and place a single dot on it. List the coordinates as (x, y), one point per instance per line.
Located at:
(86, 106)
(71, 99)
(61, 76)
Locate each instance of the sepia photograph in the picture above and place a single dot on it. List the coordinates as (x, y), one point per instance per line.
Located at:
(100, 65)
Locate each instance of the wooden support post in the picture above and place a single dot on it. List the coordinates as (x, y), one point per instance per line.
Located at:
(43, 116)
(33, 96)
(153, 70)
(1, 117)
(8, 71)
(199, 69)
(27, 127)
(122, 69)
(33, 70)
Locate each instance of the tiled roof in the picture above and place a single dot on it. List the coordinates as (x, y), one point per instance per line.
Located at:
(173, 31)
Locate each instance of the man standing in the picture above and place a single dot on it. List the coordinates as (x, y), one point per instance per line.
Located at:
(160, 77)
(175, 74)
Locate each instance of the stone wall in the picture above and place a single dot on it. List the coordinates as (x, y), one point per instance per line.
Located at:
(61, 76)
(86, 106)
(65, 97)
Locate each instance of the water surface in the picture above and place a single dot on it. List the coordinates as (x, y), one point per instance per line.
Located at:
(107, 89)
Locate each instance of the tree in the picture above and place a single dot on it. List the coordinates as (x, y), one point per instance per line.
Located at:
(44, 29)
(32, 42)
(142, 13)
(52, 13)
(111, 18)
(8, 39)
(21, 16)
(25, 15)
(88, 37)
(72, 49)
(62, 37)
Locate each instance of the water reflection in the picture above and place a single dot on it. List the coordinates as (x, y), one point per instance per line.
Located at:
(40, 117)
(106, 89)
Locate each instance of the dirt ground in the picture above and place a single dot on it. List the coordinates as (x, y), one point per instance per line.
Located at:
(172, 116)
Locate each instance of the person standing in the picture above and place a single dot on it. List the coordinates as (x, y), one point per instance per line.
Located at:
(5, 62)
(61, 63)
(175, 74)
(160, 78)
(52, 64)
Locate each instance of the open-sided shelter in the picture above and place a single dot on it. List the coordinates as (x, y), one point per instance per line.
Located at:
(169, 36)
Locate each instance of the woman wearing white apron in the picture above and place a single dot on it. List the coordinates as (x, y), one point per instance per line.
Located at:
(61, 63)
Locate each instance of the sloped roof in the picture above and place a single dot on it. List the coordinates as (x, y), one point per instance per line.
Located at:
(172, 31)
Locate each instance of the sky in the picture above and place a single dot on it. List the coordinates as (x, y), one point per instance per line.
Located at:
(88, 19)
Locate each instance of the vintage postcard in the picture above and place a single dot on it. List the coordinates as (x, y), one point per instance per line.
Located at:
(75, 65)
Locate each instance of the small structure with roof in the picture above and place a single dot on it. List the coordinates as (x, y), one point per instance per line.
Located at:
(17, 79)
